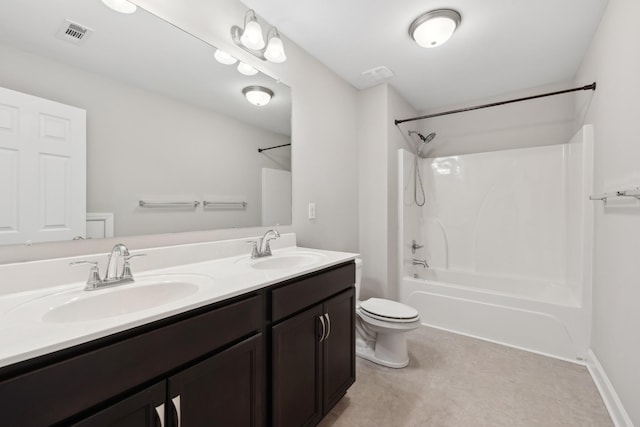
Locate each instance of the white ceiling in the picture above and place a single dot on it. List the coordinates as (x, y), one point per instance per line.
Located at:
(501, 46)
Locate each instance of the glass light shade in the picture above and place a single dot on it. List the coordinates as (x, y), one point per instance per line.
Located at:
(275, 50)
(257, 95)
(252, 35)
(247, 69)
(224, 58)
(434, 28)
(122, 6)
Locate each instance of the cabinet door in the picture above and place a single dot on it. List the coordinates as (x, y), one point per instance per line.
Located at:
(144, 409)
(296, 369)
(223, 390)
(339, 365)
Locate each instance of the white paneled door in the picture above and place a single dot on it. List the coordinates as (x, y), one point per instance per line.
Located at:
(42, 169)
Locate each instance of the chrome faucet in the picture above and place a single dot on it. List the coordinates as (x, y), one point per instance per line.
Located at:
(118, 251)
(261, 247)
(422, 262)
(111, 278)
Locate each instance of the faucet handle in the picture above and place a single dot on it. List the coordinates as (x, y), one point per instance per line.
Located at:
(254, 248)
(94, 273)
(128, 257)
(126, 268)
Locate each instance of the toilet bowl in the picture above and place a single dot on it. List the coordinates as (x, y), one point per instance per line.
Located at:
(381, 327)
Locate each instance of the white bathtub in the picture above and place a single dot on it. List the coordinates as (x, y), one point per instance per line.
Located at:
(541, 317)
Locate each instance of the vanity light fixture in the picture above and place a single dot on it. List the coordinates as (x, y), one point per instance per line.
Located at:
(275, 48)
(122, 6)
(246, 69)
(251, 36)
(434, 28)
(224, 58)
(258, 95)
(250, 39)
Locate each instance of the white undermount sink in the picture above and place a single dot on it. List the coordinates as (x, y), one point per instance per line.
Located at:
(285, 260)
(145, 293)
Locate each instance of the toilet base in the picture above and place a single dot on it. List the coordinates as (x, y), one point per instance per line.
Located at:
(388, 350)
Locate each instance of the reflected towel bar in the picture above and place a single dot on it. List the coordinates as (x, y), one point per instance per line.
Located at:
(242, 204)
(634, 192)
(144, 204)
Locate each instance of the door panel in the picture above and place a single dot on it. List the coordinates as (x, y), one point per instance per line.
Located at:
(296, 364)
(46, 195)
(339, 348)
(224, 390)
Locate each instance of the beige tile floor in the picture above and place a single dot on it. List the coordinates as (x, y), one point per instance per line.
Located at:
(458, 381)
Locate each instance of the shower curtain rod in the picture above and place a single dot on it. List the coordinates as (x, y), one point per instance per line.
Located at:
(592, 86)
(260, 150)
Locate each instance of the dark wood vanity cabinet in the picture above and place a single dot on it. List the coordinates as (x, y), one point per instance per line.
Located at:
(263, 358)
(312, 351)
(223, 390)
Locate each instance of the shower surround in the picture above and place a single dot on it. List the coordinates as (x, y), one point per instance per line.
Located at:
(507, 236)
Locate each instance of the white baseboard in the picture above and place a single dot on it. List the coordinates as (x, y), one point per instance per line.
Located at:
(612, 402)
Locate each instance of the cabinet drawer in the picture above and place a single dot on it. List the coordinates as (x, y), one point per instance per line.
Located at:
(64, 389)
(306, 292)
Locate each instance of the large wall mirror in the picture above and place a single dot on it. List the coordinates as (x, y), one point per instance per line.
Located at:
(171, 141)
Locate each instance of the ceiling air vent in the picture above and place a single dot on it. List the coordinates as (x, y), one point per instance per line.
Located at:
(376, 75)
(73, 32)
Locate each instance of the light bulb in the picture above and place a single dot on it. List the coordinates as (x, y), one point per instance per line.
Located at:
(275, 50)
(246, 69)
(122, 6)
(252, 35)
(224, 58)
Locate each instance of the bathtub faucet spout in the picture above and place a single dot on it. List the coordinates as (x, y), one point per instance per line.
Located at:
(422, 262)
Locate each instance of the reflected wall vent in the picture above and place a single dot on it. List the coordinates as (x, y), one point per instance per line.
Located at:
(73, 32)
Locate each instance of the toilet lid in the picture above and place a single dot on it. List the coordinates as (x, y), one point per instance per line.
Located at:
(385, 309)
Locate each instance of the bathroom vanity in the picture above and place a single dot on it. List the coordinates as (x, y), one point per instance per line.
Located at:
(273, 345)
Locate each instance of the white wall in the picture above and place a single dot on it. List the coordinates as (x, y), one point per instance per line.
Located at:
(324, 135)
(613, 61)
(379, 140)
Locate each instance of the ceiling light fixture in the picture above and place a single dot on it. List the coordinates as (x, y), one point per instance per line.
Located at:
(224, 58)
(246, 69)
(122, 6)
(250, 39)
(258, 95)
(434, 28)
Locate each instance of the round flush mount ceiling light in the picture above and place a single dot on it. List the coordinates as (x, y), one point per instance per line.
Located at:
(258, 95)
(122, 6)
(434, 28)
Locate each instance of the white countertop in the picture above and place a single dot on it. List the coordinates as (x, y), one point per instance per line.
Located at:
(25, 334)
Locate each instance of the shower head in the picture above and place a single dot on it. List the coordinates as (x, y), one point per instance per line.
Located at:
(425, 139)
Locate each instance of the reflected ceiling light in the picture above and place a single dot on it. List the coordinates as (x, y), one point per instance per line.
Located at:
(122, 6)
(224, 58)
(258, 95)
(250, 39)
(247, 69)
(434, 28)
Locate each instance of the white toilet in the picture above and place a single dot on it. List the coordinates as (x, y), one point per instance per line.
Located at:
(381, 325)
